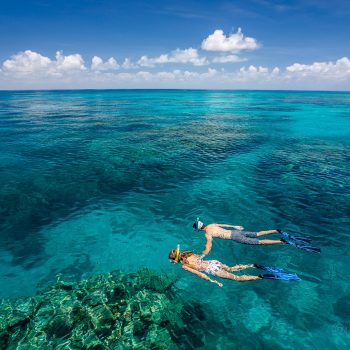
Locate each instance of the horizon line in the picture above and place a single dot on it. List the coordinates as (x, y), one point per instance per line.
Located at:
(170, 89)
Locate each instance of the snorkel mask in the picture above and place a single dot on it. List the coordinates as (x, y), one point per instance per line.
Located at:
(174, 257)
(198, 224)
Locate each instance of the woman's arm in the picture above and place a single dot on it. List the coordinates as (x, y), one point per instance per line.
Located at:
(201, 275)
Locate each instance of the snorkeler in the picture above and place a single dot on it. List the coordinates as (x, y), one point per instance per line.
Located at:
(193, 263)
(225, 231)
(234, 233)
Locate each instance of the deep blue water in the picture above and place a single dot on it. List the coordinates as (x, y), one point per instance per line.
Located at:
(92, 181)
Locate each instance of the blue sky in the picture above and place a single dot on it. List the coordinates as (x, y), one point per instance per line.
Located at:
(280, 44)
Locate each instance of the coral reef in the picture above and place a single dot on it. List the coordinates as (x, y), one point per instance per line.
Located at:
(109, 311)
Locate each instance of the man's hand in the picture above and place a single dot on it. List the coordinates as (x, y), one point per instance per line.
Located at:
(239, 228)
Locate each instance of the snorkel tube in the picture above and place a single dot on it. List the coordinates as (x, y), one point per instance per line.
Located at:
(197, 221)
(177, 254)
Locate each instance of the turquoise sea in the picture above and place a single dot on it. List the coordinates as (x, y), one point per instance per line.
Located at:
(95, 181)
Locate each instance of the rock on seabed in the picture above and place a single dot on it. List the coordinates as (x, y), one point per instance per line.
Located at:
(108, 311)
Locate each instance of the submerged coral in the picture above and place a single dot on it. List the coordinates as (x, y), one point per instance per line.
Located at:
(109, 311)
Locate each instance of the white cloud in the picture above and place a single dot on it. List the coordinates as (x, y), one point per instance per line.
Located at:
(210, 73)
(253, 71)
(26, 62)
(97, 64)
(69, 63)
(323, 70)
(30, 63)
(235, 42)
(127, 64)
(145, 61)
(177, 56)
(259, 77)
(228, 59)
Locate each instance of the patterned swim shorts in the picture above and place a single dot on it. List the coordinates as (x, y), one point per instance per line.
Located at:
(244, 237)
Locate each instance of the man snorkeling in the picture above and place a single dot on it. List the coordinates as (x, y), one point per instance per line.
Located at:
(237, 233)
(193, 263)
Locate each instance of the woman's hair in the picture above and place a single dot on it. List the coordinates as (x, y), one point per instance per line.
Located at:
(172, 254)
(183, 255)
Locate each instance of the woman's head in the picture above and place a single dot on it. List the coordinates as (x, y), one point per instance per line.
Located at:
(177, 256)
(174, 254)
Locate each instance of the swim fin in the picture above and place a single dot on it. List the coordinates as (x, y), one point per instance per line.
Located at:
(301, 246)
(269, 268)
(287, 235)
(280, 276)
(309, 248)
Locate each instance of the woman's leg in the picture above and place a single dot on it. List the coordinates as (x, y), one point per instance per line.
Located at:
(224, 274)
(236, 267)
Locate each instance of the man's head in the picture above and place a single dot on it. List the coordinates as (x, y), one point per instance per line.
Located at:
(198, 225)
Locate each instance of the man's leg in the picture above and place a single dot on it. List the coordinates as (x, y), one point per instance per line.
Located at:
(247, 238)
(268, 232)
(270, 241)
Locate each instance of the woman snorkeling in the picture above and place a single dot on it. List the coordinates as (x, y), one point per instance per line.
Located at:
(193, 263)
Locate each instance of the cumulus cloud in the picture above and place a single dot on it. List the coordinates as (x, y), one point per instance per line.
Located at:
(127, 64)
(26, 62)
(228, 59)
(177, 56)
(254, 70)
(69, 63)
(97, 64)
(324, 70)
(234, 42)
(32, 63)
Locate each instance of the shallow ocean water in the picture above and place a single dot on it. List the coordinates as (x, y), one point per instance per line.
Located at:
(93, 181)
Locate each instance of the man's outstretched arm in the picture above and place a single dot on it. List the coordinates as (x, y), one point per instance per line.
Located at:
(236, 227)
(208, 246)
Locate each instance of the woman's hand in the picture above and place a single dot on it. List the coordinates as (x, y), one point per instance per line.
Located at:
(216, 282)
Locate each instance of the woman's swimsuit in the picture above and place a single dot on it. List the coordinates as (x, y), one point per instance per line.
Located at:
(244, 237)
(213, 267)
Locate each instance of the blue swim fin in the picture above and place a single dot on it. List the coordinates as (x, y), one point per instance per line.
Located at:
(287, 235)
(300, 245)
(280, 276)
(309, 248)
(271, 269)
